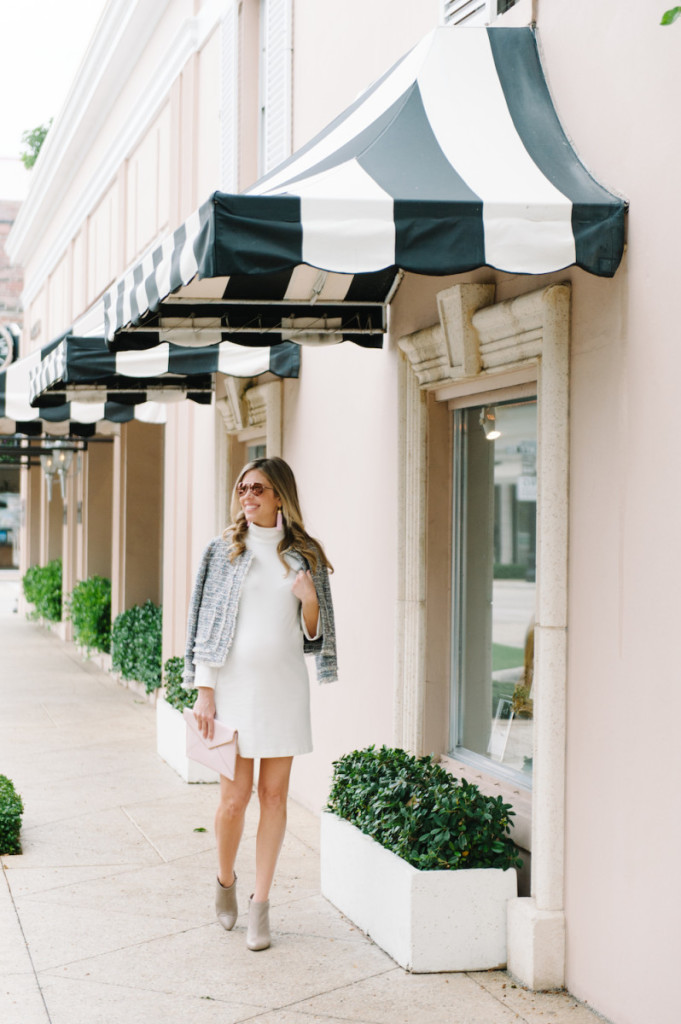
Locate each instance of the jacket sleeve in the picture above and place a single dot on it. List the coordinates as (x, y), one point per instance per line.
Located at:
(193, 617)
(324, 646)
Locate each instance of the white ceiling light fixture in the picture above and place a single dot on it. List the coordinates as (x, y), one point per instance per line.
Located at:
(56, 462)
(49, 468)
(488, 422)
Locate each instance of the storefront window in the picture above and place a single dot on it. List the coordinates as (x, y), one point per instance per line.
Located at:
(495, 502)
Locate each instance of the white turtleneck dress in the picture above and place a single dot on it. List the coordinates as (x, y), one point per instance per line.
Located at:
(263, 689)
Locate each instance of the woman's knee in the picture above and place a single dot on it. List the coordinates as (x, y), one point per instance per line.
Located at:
(272, 797)
(273, 782)
(232, 805)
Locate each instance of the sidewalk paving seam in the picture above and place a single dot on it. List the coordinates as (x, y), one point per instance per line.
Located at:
(26, 945)
(50, 971)
(48, 715)
(496, 997)
(263, 1008)
(144, 835)
(532, 994)
(25, 830)
(328, 991)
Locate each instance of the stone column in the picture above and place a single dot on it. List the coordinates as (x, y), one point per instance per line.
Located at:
(411, 597)
(137, 516)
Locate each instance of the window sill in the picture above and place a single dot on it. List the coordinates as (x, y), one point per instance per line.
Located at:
(520, 799)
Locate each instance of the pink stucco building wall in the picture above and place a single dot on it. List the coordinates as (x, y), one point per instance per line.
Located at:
(614, 77)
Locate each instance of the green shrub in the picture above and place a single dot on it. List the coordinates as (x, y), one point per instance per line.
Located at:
(11, 809)
(42, 588)
(136, 644)
(509, 571)
(29, 582)
(89, 609)
(174, 694)
(416, 809)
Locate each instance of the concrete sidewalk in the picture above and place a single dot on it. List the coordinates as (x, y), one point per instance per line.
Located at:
(107, 915)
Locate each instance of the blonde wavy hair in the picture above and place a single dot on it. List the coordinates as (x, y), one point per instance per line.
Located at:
(280, 477)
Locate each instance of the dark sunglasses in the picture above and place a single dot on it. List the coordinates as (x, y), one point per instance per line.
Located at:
(256, 489)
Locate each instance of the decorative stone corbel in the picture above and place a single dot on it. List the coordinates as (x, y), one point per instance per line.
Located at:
(263, 403)
(457, 307)
(228, 400)
(244, 405)
(427, 354)
(449, 349)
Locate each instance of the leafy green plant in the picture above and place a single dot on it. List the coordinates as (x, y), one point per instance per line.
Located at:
(89, 609)
(416, 809)
(136, 644)
(509, 571)
(176, 696)
(33, 140)
(11, 810)
(670, 16)
(42, 588)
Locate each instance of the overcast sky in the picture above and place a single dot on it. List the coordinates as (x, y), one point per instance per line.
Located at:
(43, 43)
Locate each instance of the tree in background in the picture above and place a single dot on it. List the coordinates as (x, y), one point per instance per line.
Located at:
(33, 140)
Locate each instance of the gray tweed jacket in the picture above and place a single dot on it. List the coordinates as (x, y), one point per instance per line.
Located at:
(215, 602)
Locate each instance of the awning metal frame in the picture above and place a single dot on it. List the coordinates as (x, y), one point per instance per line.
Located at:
(265, 317)
(20, 450)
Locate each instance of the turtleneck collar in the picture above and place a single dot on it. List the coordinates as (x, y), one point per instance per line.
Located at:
(265, 533)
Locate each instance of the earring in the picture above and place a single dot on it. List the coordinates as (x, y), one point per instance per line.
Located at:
(280, 519)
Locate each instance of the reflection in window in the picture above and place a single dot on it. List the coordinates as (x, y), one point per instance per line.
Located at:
(495, 501)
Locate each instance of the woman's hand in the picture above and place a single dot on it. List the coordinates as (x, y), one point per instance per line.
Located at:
(204, 711)
(304, 590)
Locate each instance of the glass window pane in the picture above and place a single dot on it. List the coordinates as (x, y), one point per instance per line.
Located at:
(494, 584)
(256, 451)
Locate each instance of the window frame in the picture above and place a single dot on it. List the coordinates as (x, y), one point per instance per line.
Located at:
(275, 84)
(458, 359)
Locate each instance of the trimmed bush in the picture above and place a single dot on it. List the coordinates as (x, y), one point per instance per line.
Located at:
(136, 644)
(89, 609)
(416, 809)
(175, 695)
(509, 571)
(42, 588)
(11, 810)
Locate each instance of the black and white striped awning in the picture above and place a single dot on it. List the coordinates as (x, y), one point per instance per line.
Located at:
(18, 416)
(454, 160)
(84, 369)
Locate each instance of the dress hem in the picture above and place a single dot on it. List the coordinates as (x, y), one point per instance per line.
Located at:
(282, 753)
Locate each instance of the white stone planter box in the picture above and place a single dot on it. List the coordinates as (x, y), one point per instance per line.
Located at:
(171, 744)
(427, 921)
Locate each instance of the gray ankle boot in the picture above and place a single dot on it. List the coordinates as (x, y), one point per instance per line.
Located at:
(258, 934)
(225, 904)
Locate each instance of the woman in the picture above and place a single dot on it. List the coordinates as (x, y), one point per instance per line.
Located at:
(261, 600)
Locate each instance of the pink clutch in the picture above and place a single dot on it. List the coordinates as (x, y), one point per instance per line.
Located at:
(218, 753)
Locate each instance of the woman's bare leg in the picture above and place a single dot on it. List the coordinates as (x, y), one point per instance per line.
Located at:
(230, 815)
(273, 782)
